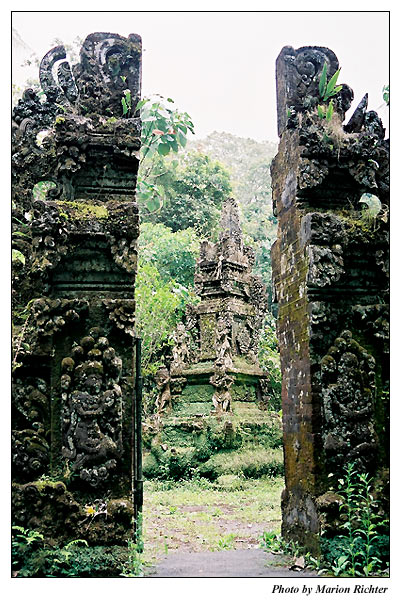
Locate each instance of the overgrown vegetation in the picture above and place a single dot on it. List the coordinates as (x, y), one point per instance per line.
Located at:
(33, 557)
(363, 550)
(159, 307)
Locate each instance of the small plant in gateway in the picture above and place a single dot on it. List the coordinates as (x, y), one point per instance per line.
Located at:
(134, 566)
(226, 542)
(362, 545)
(274, 543)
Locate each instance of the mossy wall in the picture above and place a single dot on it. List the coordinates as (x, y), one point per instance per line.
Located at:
(248, 440)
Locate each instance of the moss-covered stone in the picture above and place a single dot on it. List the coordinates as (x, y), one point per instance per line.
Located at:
(197, 394)
(248, 461)
(82, 209)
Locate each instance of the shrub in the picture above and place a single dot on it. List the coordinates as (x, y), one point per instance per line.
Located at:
(250, 462)
(268, 355)
(31, 557)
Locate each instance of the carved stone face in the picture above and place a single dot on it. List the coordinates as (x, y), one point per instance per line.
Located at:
(93, 383)
(86, 404)
(161, 376)
(180, 328)
(221, 326)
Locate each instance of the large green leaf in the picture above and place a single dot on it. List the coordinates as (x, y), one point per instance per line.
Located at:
(163, 149)
(323, 81)
(154, 203)
(331, 90)
(332, 82)
(330, 111)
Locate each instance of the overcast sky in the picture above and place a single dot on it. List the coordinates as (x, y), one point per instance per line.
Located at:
(220, 66)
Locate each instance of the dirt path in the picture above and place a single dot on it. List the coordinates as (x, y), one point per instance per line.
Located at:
(227, 563)
(189, 519)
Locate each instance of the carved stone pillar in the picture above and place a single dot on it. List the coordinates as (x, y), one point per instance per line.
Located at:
(330, 273)
(81, 269)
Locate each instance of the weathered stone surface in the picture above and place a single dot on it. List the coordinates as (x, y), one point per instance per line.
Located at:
(48, 507)
(331, 282)
(74, 385)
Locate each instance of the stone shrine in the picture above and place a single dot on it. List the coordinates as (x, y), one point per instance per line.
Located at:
(213, 405)
(215, 352)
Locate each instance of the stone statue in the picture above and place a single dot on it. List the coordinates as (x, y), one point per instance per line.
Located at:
(181, 349)
(162, 379)
(222, 382)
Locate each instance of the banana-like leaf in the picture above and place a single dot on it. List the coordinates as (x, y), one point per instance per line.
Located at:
(323, 81)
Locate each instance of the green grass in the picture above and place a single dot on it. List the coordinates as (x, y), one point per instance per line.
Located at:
(198, 515)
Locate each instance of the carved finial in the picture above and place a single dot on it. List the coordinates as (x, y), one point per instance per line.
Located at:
(230, 219)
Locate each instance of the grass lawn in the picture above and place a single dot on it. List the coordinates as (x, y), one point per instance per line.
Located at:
(198, 515)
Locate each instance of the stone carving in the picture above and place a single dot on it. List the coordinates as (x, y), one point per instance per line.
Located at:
(298, 74)
(30, 440)
(74, 166)
(222, 382)
(330, 273)
(122, 314)
(220, 335)
(325, 264)
(348, 380)
(92, 408)
(52, 315)
(222, 345)
(164, 400)
(181, 350)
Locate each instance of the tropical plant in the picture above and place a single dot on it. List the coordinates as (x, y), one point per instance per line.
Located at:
(164, 130)
(363, 551)
(327, 89)
(275, 543)
(192, 188)
(362, 547)
(159, 307)
(326, 112)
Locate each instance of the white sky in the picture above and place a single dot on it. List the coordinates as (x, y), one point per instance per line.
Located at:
(220, 66)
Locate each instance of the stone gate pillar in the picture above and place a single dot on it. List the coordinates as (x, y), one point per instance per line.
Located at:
(74, 382)
(330, 273)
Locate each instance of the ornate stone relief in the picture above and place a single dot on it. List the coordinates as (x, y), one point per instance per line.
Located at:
(92, 409)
